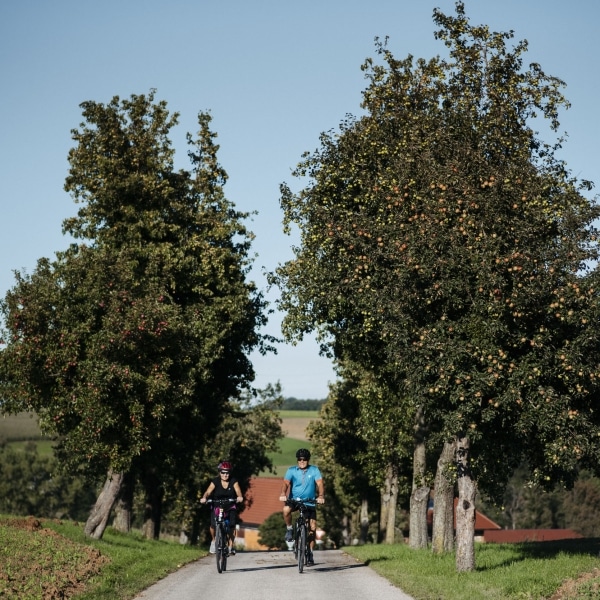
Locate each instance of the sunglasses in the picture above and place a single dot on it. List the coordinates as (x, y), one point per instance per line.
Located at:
(303, 459)
(224, 472)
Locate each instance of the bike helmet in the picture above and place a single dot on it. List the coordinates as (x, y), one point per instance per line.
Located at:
(303, 453)
(224, 465)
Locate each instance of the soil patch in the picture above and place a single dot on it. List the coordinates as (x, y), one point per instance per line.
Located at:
(295, 427)
(570, 589)
(37, 562)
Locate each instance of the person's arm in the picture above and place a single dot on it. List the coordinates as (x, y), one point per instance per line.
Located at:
(238, 491)
(208, 492)
(285, 488)
(320, 491)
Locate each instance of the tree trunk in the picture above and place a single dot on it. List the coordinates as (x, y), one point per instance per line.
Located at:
(346, 530)
(465, 509)
(96, 523)
(420, 490)
(364, 521)
(152, 507)
(124, 505)
(442, 536)
(389, 499)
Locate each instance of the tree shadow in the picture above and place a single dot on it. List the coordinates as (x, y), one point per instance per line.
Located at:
(546, 550)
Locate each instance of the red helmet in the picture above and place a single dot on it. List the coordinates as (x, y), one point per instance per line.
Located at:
(224, 465)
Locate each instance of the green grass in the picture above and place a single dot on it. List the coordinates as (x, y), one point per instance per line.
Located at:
(118, 567)
(44, 447)
(531, 571)
(285, 457)
(22, 426)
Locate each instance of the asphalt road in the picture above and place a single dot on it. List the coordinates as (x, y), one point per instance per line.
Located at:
(275, 576)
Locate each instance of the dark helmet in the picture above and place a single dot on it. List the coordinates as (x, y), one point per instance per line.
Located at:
(303, 453)
(224, 465)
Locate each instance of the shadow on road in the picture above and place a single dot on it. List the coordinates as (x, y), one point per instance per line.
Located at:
(320, 569)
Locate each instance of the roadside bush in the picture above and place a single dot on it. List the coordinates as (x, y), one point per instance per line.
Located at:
(272, 532)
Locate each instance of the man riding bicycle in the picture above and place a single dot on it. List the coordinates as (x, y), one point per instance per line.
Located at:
(302, 481)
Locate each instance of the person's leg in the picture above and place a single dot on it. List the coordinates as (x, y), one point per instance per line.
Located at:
(232, 522)
(287, 517)
(312, 534)
(212, 531)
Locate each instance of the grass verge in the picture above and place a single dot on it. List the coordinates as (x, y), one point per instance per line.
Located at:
(42, 559)
(529, 571)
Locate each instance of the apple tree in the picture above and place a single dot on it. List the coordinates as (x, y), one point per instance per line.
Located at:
(130, 343)
(444, 240)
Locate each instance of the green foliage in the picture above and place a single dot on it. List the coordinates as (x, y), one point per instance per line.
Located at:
(131, 344)
(248, 435)
(446, 250)
(271, 532)
(526, 506)
(31, 484)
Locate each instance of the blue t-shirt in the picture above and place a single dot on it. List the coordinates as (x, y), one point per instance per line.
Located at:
(303, 481)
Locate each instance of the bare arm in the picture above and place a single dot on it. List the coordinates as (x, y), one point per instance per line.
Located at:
(238, 491)
(285, 488)
(208, 492)
(320, 492)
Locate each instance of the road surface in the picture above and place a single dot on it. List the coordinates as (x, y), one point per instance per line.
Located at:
(275, 576)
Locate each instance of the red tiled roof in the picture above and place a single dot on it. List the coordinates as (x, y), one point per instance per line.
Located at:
(482, 523)
(512, 536)
(262, 500)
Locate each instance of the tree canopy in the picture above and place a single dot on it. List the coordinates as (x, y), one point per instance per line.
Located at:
(447, 248)
(130, 343)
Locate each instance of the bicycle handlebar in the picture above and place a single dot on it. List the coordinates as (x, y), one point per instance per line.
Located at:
(301, 501)
(221, 502)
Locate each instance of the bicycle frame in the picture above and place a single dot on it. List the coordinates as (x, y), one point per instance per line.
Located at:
(221, 532)
(302, 527)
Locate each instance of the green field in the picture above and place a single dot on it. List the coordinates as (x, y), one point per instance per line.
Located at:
(295, 414)
(285, 457)
(22, 426)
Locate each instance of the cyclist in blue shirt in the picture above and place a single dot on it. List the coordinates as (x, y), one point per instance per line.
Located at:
(302, 481)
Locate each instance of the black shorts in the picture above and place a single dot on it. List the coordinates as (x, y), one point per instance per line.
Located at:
(310, 513)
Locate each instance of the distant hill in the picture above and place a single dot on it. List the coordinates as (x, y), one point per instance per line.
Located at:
(297, 404)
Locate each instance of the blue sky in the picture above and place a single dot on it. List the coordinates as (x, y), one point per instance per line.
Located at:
(274, 75)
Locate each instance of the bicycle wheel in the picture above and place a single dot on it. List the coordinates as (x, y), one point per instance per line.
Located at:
(296, 540)
(301, 547)
(219, 542)
(225, 534)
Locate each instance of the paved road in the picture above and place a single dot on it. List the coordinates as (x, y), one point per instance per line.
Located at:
(273, 576)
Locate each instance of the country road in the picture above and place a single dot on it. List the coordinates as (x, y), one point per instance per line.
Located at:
(275, 576)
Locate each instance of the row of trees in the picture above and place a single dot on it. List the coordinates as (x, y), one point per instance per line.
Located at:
(132, 344)
(447, 260)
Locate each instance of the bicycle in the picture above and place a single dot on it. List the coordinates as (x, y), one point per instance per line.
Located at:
(221, 532)
(301, 529)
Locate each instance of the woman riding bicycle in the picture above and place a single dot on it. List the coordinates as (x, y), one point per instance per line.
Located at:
(302, 481)
(223, 487)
